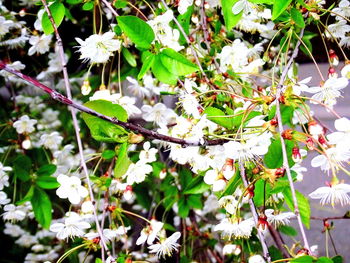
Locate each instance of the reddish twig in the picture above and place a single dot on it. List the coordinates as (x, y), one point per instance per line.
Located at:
(130, 126)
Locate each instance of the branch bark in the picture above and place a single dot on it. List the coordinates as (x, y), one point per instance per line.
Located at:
(255, 215)
(283, 144)
(130, 126)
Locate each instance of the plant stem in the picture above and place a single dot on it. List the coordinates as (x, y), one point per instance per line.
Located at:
(255, 215)
(130, 126)
(76, 126)
(283, 145)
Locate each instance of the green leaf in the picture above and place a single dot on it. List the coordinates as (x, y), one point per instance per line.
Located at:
(338, 259)
(21, 167)
(297, 17)
(120, 3)
(27, 197)
(259, 192)
(137, 30)
(47, 169)
(269, 2)
(273, 158)
(288, 230)
(303, 204)
(162, 73)
(278, 8)
(232, 185)
(184, 207)
(237, 121)
(176, 63)
(147, 64)
(98, 260)
(303, 259)
(57, 11)
(74, 2)
(42, 207)
(123, 162)
(47, 182)
(88, 6)
(195, 201)
(324, 260)
(230, 19)
(214, 115)
(196, 186)
(275, 253)
(129, 57)
(102, 130)
(108, 154)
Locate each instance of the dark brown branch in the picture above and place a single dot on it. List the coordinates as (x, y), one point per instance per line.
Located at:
(132, 127)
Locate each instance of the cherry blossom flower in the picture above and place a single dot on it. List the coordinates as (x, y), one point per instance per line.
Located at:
(148, 154)
(229, 249)
(183, 6)
(342, 135)
(71, 188)
(217, 179)
(166, 247)
(24, 124)
(3, 198)
(13, 213)
(5, 25)
(278, 219)
(73, 226)
(4, 178)
(51, 141)
(137, 172)
(329, 91)
(333, 194)
(332, 158)
(256, 259)
(235, 228)
(98, 48)
(150, 233)
(40, 44)
(158, 114)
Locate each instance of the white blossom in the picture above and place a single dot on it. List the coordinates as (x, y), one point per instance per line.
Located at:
(51, 141)
(71, 188)
(24, 124)
(150, 233)
(148, 154)
(13, 213)
(333, 194)
(98, 48)
(40, 44)
(4, 178)
(166, 247)
(278, 219)
(73, 226)
(158, 114)
(137, 172)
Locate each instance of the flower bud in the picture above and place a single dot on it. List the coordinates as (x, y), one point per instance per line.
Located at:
(262, 222)
(296, 156)
(287, 134)
(333, 58)
(332, 73)
(135, 138)
(26, 144)
(86, 88)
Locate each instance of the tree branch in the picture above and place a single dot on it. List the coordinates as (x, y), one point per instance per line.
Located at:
(63, 61)
(283, 144)
(255, 215)
(130, 126)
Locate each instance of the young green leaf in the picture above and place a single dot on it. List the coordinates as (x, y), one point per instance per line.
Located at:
(230, 18)
(57, 11)
(47, 182)
(123, 162)
(147, 64)
(297, 17)
(303, 204)
(218, 116)
(278, 8)
(21, 167)
(137, 30)
(162, 73)
(102, 130)
(42, 207)
(129, 57)
(273, 158)
(47, 170)
(176, 63)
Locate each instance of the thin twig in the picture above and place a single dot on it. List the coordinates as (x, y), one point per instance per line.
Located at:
(130, 126)
(76, 126)
(283, 144)
(255, 215)
(109, 6)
